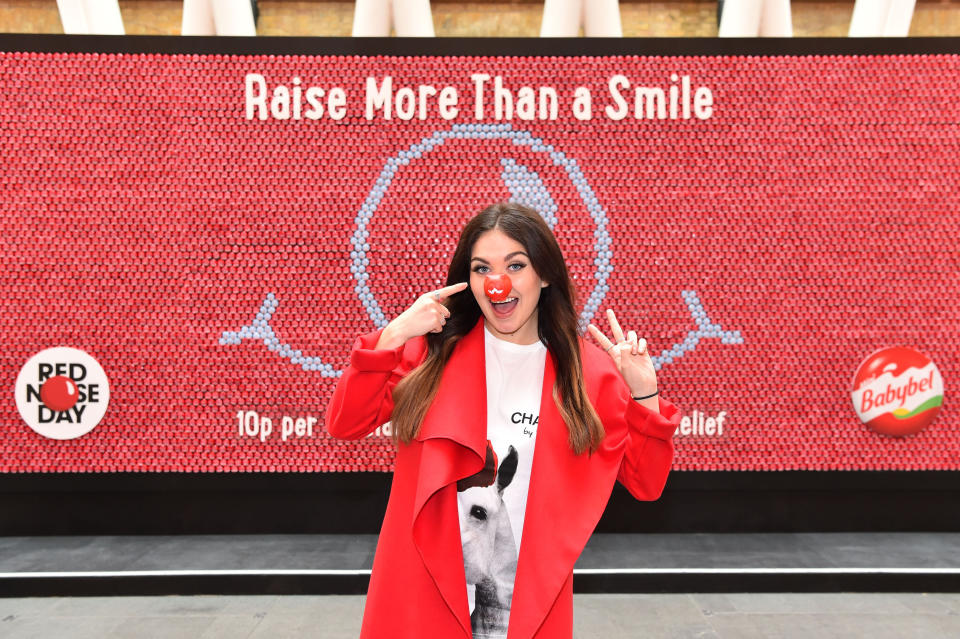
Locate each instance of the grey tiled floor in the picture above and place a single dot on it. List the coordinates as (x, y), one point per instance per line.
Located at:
(355, 552)
(733, 616)
(608, 616)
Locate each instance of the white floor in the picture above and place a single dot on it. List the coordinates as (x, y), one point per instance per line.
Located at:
(733, 616)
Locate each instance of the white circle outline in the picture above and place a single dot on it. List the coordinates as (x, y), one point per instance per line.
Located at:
(478, 131)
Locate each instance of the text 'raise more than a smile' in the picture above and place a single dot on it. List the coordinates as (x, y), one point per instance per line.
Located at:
(491, 100)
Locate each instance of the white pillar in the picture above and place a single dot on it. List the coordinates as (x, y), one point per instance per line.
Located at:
(775, 19)
(197, 18)
(72, 16)
(218, 17)
(561, 18)
(741, 18)
(899, 18)
(413, 19)
(103, 16)
(601, 19)
(752, 18)
(868, 18)
(91, 16)
(872, 18)
(371, 18)
(409, 18)
(234, 17)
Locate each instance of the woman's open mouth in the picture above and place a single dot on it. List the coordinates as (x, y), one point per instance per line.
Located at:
(503, 309)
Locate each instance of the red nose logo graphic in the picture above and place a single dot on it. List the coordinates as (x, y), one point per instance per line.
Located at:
(497, 287)
(59, 393)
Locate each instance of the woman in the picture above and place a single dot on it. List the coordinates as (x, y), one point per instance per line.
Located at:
(511, 431)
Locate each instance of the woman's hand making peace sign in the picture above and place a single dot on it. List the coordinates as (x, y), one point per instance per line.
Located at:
(630, 355)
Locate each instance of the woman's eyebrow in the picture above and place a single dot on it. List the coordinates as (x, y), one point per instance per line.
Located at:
(480, 259)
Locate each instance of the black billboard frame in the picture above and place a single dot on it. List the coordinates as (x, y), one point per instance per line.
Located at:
(251, 503)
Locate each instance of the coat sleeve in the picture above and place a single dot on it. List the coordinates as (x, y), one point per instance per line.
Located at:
(649, 446)
(649, 453)
(363, 398)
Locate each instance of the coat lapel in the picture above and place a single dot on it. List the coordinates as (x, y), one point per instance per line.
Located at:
(453, 444)
(566, 498)
(453, 441)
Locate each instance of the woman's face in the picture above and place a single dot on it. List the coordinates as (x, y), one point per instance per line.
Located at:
(515, 320)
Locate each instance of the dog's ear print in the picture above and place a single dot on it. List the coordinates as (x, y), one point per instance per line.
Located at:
(507, 469)
(485, 476)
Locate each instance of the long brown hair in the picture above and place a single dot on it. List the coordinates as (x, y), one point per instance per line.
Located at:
(556, 327)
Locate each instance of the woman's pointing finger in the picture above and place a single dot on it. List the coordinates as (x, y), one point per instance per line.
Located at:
(443, 293)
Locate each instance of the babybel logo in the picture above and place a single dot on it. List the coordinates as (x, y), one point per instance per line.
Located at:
(897, 391)
(62, 393)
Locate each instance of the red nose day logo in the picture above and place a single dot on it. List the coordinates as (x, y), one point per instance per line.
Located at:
(62, 393)
(897, 391)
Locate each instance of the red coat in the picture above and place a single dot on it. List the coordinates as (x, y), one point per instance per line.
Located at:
(417, 587)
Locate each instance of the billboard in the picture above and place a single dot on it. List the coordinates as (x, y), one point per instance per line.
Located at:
(213, 231)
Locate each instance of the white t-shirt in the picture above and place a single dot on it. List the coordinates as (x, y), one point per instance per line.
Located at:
(514, 384)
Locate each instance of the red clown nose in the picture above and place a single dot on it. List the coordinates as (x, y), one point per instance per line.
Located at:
(497, 287)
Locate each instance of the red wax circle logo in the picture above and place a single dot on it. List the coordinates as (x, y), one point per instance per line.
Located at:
(897, 391)
(59, 393)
